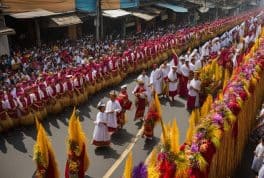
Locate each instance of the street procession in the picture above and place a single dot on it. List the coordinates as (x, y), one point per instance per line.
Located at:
(132, 89)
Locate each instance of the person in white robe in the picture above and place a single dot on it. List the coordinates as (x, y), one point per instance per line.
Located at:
(185, 71)
(200, 63)
(258, 157)
(192, 63)
(234, 58)
(101, 136)
(111, 110)
(165, 68)
(156, 79)
(173, 82)
(194, 88)
(143, 77)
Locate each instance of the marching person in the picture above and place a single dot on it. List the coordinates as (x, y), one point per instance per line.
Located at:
(143, 76)
(141, 100)
(165, 68)
(125, 103)
(111, 110)
(194, 87)
(101, 135)
(150, 120)
(156, 79)
(173, 82)
(185, 71)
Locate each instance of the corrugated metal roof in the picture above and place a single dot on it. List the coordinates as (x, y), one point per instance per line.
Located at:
(7, 31)
(115, 13)
(66, 20)
(33, 14)
(172, 7)
(143, 16)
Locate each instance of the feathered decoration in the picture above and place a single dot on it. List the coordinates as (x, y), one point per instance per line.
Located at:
(37, 123)
(201, 162)
(175, 137)
(206, 106)
(197, 116)
(44, 154)
(230, 116)
(226, 78)
(215, 134)
(182, 166)
(153, 172)
(128, 166)
(158, 107)
(152, 157)
(190, 130)
(83, 141)
(151, 162)
(140, 171)
(77, 142)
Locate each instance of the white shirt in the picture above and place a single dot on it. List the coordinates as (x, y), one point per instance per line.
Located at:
(111, 117)
(194, 84)
(185, 70)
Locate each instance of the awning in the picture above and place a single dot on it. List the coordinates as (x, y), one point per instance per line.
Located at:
(228, 7)
(203, 3)
(115, 13)
(172, 7)
(152, 10)
(63, 21)
(203, 9)
(253, 3)
(33, 14)
(7, 31)
(143, 15)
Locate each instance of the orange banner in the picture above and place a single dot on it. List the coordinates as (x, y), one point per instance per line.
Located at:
(110, 4)
(17, 6)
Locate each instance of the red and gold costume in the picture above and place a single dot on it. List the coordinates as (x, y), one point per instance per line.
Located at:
(149, 122)
(141, 100)
(126, 104)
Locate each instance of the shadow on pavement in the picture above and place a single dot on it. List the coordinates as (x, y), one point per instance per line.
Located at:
(107, 152)
(177, 103)
(150, 144)
(139, 124)
(86, 176)
(16, 138)
(121, 137)
(2, 144)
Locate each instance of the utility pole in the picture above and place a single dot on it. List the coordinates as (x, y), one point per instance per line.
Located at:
(98, 17)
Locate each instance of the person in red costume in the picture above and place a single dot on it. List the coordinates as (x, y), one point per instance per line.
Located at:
(125, 103)
(149, 121)
(141, 100)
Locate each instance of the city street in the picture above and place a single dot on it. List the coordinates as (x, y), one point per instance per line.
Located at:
(16, 146)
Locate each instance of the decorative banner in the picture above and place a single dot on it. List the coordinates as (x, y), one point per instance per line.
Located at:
(17, 6)
(118, 4)
(110, 4)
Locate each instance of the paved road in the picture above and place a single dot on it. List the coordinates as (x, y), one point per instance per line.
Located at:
(17, 145)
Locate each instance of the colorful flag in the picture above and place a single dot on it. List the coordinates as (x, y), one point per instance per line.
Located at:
(78, 161)
(44, 155)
